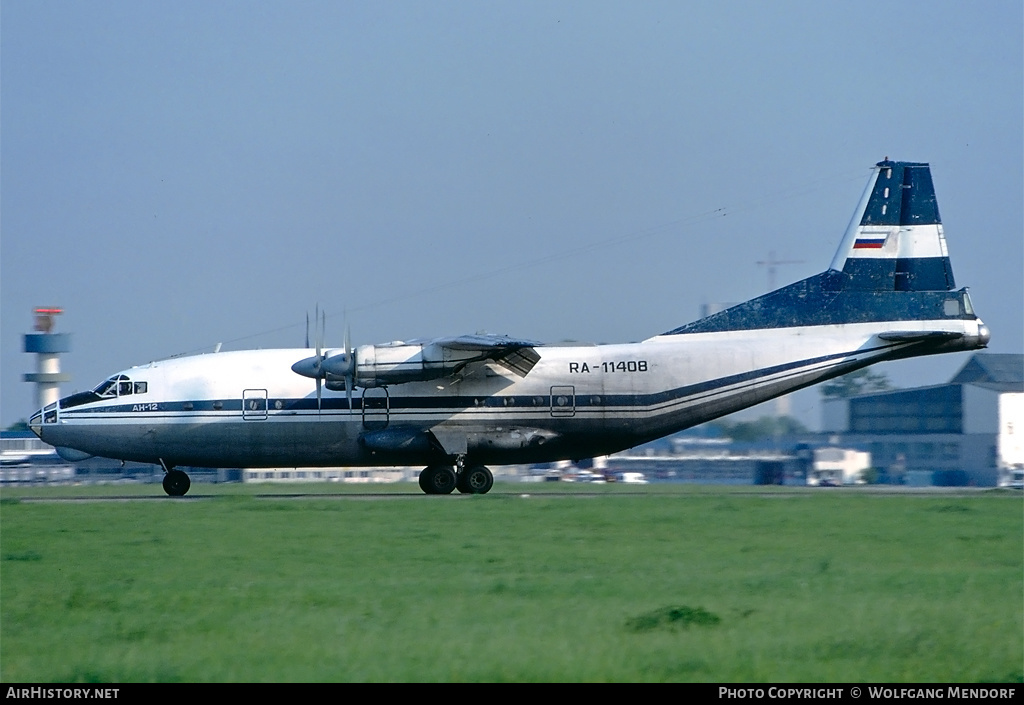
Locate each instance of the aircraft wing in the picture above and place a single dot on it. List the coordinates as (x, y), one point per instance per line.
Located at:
(515, 354)
(480, 341)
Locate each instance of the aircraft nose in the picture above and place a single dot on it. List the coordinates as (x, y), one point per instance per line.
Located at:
(44, 421)
(35, 424)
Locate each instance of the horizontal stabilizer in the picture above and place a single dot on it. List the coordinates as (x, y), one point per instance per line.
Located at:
(914, 336)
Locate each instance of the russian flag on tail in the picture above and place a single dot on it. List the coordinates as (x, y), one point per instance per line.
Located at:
(869, 243)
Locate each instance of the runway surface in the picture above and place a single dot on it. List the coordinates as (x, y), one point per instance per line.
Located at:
(691, 491)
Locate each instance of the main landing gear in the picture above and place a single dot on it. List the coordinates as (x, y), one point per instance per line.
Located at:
(176, 482)
(467, 479)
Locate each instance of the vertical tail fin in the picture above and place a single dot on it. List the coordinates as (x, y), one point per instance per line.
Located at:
(892, 266)
(894, 241)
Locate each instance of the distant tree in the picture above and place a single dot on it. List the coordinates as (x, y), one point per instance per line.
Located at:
(20, 425)
(870, 476)
(764, 428)
(861, 381)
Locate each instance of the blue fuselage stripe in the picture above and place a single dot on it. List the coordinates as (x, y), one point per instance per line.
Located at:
(398, 404)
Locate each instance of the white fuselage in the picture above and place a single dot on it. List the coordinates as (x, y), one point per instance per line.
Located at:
(249, 409)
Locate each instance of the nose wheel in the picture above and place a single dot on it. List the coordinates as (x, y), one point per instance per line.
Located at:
(176, 483)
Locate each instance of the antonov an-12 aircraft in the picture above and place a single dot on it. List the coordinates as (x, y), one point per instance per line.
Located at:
(457, 404)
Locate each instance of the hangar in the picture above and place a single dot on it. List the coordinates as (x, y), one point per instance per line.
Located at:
(968, 431)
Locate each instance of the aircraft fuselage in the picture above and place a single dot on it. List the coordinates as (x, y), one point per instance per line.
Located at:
(247, 409)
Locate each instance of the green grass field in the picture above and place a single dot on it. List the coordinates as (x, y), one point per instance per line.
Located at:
(676, 583)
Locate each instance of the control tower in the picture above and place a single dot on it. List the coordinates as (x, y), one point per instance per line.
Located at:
(47, 346)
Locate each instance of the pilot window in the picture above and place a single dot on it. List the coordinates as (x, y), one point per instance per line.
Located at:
(120, 386)
(108, 389)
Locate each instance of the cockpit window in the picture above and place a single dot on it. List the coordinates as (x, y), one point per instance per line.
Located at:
(107, 389)
(120, 386)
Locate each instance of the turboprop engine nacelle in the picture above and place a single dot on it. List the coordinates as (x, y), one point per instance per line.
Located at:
(396, 363)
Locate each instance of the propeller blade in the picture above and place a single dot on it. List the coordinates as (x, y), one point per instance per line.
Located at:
(350, 375)
(319, 332)
(320, 358)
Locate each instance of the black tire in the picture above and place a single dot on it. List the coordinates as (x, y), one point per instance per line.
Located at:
(176, 483)
(437, 479)
(424, 479)
(476, 479)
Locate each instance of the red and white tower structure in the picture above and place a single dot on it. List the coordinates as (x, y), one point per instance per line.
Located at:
(47, 346)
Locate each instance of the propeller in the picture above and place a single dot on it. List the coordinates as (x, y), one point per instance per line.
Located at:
(313, 367)
(321, 366)
(344, 365)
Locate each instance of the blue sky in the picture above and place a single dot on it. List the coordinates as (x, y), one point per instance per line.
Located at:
(181, 174)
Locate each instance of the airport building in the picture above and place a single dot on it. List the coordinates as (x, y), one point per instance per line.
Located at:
(965, 432)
